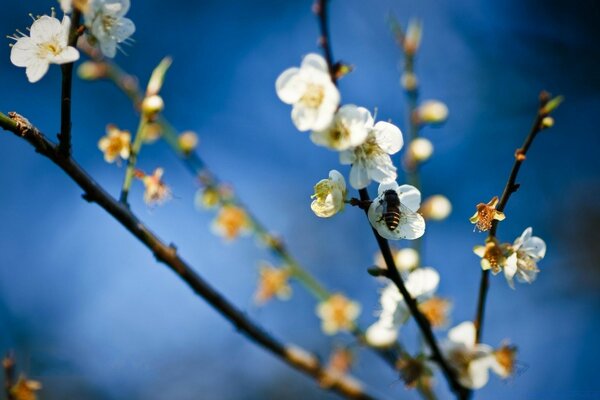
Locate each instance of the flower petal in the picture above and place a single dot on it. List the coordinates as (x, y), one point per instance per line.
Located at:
(36, 70)
(381, 335)
(45, 28)
(422, 282)
(68, 55)
(359, 179)
(410, 197)
(304, 117)
(463, 333)
(23, 52)
(316, 61)
(388, 136)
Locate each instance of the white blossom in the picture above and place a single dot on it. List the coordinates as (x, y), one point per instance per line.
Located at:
(411, 224)
(66, 5)
(349, 128)
(529, 250)
(329, 195)
(47, 44)
(371, 160)
(314, 97)
(106, 22)
(471, 361)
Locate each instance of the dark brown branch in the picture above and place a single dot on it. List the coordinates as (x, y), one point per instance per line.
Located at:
(8, 365)
(511, 187)
(167, 254)
(392, 271)
(64, 137)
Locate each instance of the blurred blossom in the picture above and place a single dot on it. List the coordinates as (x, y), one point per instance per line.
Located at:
(188, 141)
(314, 97)
(272, 281)
(432, 112)
(436, 310)
(412, 39)
(115, 144)
(152, 105)
(106, 22)
(419, 151)
(340, 362)
(157, 192)
(25, 389)
(207, 198)
(409, 81)
(47, 44)
(406, 259)
(91, 70)
(410, 224)
(231, 222)
(349, 128)
(505, 357)
(337, 313)
(152, 132)
(529, 250)
(436, 208)
(371, 160)
(329, 195)
(486, 214)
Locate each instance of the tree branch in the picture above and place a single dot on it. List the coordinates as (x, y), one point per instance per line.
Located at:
(8, 365)
(510, 188)
(167, 254)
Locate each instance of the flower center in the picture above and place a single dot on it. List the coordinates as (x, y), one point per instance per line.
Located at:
(47, 48)
(313, 96)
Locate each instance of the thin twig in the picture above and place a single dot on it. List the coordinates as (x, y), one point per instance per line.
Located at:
(393, 273)
(64, 137)
(167, 254)
(132, 160)
(510, 188)
(8, 365)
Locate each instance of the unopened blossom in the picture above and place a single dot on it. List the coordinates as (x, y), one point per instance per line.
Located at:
(115, 144)
(371, 160)
(46, 44)
(152, 132)
(405, 259)
(340, 362)
(421, 284)
(207, 198)
(495, 256)
(106, 22)
(411, 225)
(470, 360)
(337, 313)
(329, 195)
(231, 222)
(436, 310)
(436, 208)
(486, 214)
(188, 141)
(432, 112)
(25, 389)
(314, 97)
(528, 250)
(349, 128)
(272, 282)
(419, 151)
(157, 192)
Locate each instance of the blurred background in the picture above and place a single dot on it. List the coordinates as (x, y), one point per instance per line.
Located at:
(90, 313)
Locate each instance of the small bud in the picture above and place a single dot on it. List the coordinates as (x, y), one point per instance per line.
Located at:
(152, 105)
(412, 39)
(409, 81)
(436, 208)
(420, 150)
(406, 259)
(152, 132)
(188, 141)
(208, 198)
(547, 122)
(432, 112)
(340, 70)
(552, 105)
(91, 70)
(158, 76)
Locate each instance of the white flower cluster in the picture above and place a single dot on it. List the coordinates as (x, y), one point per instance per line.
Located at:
(48, 39)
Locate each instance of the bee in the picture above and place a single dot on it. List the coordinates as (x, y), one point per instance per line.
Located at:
(391, 213)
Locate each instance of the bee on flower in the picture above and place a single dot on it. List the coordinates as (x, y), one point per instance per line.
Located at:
(157, 192)
(231, 221)
(115, 144)
(349, 128)
(486, 214)
(329, 196)
(314, 97)
(272, 282)
(46, 44)
(527, 251)
(393, 213)
(107, 25)
(337, 313)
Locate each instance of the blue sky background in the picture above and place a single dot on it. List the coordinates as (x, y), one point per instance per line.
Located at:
(91, 314)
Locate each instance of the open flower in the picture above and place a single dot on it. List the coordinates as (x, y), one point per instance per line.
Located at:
(25, 389)
(337, 313)
(47, 44)
(528, 250)
(115, 144)
(107, 25)
(311, 92)
(421, 285)
(231, 222)
(470, 360)
(157, 192)
(371, 160)
(272, 282)
(486, 214)
(495, 256)
(329, 195)
(393, 213)
(349, 128)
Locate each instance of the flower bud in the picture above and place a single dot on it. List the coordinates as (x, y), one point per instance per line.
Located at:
(188, 141)
(420, 150)
(432, 112)
(409, 81)
(152, 105)
(207, 198)
(436, 208)
(406, 259)
(412, 40)
(91, 70)
(547, 122)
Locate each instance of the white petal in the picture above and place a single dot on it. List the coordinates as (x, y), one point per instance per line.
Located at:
(410, 197)
(478, 373)
(123, 29)
(303, 117)
(464, 334)
(524, 236)
(347, 157)
(535, 247)
(382, 169)
(70, 54)
(384, 187)
(411, 227)
(422, 282)
(45, 28)
(23, 52)
(510, 269)
(388, 137)
(338, 179)
(314, 60)
(66, 26)
(289, 86)
(359, 179)
(36, 71)
(381, 335)
(108, 47)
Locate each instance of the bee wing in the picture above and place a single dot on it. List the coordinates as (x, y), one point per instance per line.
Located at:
(412, 224)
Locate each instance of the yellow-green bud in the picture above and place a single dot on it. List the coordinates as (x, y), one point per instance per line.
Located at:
(152, 105)
(432, 112)
(188, 141)
(436, 208)
(420, 150)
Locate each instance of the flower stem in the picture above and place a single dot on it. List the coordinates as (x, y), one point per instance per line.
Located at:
(131, 162)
